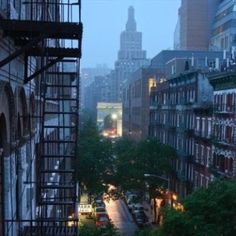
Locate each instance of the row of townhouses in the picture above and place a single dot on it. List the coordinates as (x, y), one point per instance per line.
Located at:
(186, 97)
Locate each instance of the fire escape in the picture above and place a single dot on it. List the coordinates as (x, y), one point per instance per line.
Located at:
(51, 33)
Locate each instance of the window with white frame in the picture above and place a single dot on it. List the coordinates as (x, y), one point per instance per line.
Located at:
(202, 155)
(208, 156)
(198, 123)
(203, 126)
(197, 154)
(209, 127)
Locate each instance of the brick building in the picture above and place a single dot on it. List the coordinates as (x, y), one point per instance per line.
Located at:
(224, 127)
(136, 100)
(179, 109)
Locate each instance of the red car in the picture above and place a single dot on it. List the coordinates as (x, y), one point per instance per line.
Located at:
(102, 220)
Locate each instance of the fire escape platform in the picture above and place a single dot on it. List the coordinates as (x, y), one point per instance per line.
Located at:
(47, 29)
(54, 52)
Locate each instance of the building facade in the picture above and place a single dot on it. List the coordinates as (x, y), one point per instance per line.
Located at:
(224, 128)
(192, 31)
(168, 63)
(223, 35)
(172, 62)
(136, 100)
(38, 119)
(176, 108)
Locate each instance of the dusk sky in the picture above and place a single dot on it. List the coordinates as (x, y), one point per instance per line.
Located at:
(105, 19)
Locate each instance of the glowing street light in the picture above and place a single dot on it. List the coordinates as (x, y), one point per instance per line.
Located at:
(114, 116)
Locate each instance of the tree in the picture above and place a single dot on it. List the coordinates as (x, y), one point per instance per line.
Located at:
(127, 175)
(95, 159)
(135, 159)
(208, 212)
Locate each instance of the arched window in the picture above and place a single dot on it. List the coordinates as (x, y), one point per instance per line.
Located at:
(19, 129)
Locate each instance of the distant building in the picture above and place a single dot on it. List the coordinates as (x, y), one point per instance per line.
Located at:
(224, 29)
(130, 56)
(98, 91)
(136, 100)
(87, 77)
(192, 31)
(172, 62)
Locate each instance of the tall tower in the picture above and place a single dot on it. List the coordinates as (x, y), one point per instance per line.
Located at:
(130, 56)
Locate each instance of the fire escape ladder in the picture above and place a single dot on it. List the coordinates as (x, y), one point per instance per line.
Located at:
(58, 185)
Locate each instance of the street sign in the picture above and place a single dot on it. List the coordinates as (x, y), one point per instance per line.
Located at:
(85, 208)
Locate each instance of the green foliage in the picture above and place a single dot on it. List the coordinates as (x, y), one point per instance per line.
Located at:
(135, 159)
(87, 230)
(123, 164)
(95, 159)
(147, 232)
(208, 212)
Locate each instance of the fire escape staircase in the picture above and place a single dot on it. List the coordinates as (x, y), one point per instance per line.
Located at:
(57, 183)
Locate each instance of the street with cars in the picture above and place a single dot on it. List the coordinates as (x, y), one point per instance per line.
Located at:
(126, 212)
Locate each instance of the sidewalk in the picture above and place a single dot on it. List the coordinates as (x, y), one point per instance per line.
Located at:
(150, 214)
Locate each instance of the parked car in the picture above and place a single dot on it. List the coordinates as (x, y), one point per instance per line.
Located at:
(132, 199)
(102, 220)
(98, 204)
(130, 204)
(141, 218)
(137, 208)
(99, 210)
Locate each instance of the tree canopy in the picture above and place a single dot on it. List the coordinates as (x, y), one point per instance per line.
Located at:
(134, 159)
(207, 212)
(95, 159)
(122, 164)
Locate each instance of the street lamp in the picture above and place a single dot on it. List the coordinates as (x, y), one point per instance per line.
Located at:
(160, 177)
(168, 188)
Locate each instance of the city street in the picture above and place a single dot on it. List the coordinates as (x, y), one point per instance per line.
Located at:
(121, 217)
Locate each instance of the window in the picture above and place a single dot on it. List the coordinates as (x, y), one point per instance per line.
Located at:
(203, 126)
(197, 154)
(209, 127)
(198, 124)
(208, 156)
(202, 155)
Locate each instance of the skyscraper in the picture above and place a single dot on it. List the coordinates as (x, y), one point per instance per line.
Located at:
(224, 29)
(194, 25)
(130, 56)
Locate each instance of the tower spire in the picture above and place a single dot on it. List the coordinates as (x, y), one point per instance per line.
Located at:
(131, 23)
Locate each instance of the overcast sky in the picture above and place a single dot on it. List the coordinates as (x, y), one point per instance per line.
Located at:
(105, 19)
